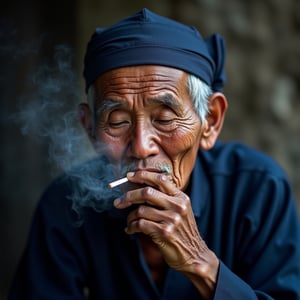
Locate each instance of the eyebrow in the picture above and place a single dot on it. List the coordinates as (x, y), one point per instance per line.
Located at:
(110, 104)
(166, 99)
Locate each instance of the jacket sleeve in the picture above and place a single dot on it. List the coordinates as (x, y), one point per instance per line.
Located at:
(267, 245)
(51, 266)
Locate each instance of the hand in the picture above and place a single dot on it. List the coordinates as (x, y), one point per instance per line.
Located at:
(165, 214)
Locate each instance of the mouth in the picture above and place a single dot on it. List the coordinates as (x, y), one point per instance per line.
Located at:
(161, 168)
(154, 170)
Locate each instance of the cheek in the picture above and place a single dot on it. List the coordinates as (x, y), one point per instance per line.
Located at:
(108, 146)
(182, 151)
(185, 139)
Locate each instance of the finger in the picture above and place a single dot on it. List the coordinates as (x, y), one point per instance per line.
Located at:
(179, 203)
(153, 214)
(153, 229)
(163, 182)
(147, 195)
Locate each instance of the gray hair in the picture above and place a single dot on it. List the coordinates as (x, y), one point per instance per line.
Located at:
(198, 90)
(200, 93)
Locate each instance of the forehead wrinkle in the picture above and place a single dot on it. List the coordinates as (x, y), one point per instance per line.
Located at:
(134, 84)
(137, 87)
(138, 77)
(136, 81)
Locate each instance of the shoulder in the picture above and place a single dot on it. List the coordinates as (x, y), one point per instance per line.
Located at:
(240, 176)
(235, 157)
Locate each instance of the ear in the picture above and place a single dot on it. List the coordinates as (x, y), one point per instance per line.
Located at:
(213, 124)
(86, 119)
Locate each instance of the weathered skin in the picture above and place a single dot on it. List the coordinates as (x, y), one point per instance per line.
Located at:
(145, 117)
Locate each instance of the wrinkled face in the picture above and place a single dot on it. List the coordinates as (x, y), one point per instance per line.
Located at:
(146, 118)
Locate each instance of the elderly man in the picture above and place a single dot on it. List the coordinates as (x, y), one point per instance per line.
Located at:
(196, 219)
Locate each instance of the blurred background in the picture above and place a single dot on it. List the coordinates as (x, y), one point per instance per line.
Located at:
(263, 86)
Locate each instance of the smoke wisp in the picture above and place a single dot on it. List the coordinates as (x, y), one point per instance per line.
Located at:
(50, 114)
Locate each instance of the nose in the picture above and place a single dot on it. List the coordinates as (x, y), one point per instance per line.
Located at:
(143, 141)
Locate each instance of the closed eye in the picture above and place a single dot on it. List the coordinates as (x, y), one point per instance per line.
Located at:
(165, 122)
(118, 124)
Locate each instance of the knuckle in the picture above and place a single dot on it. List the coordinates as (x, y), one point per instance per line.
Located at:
(186, 199)
(140, 211)
(140, 224)
(168, 231)
(127, 196)
(162, 177)
(182, 209)
(183, 205)
(176, 219)
(143, 174)
(148, 191)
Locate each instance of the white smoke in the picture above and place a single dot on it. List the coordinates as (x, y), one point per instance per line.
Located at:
(50, 113)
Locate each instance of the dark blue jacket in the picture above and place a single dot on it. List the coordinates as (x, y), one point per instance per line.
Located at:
(245, 212)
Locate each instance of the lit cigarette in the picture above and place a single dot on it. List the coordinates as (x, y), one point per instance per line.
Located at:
(117, 182)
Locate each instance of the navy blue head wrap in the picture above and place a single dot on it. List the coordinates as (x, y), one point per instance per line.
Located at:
(146, 38)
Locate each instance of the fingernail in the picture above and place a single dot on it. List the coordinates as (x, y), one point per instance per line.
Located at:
(164, 177)
(130, 174)
(117, 201)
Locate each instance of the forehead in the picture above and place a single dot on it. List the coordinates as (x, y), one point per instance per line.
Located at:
(141, 79)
